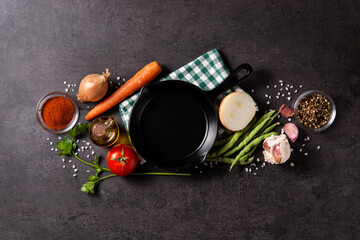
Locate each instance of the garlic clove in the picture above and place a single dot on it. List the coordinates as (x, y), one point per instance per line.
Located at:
(266, 145)
(277, 153)
(286, 111)
(291, 131)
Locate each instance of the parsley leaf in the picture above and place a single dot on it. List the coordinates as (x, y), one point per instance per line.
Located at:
(89, 187)
(77, 130)
(74, 146)
(93, 178)
(98, 169)
(97, 166)
(66, 146)
(96, 159)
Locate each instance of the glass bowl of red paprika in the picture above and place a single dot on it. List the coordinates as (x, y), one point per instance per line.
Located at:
(57, 112)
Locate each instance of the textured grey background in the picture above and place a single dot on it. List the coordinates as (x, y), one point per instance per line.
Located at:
(313, 43)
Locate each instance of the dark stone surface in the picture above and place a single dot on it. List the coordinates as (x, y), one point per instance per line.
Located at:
(309, 43)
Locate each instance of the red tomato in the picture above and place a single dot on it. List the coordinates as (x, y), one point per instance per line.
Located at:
(122, 159)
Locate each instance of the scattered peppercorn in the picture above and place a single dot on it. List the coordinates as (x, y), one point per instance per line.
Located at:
(314, 111)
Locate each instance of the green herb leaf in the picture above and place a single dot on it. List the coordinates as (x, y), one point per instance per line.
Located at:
(96, 159)
(94, 178)
(78, 129)
(89, 187)
(74, 146)
(98, 169)
(66, 146)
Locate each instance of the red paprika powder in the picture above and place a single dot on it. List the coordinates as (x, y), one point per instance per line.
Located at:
(57, 112)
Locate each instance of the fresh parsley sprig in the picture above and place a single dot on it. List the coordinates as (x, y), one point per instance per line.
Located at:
(89, 187)
(68, 147)
(77, 130)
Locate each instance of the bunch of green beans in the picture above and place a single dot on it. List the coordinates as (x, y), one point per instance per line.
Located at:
(238, 148)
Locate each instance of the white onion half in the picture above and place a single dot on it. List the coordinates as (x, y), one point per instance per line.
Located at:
(236, 110)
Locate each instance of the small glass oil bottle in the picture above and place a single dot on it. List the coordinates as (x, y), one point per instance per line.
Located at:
(104, 131)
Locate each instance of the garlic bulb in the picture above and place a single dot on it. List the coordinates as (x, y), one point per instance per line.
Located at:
(276, 149)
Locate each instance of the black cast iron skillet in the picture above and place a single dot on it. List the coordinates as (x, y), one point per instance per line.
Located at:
(173, 124)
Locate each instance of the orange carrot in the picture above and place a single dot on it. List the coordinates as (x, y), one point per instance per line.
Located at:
(141, 78)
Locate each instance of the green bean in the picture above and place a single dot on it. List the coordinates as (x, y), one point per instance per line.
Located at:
(233, 140)
(253, 124)
(240, 139)
(244, 156)
(243, 160)
(250, 146)
(243, 136)
(268, 129)
(249, 127)
(223, 141)
(230, 143)
(268, 123)
(248, 138)
(222, 159)
(228, 160)
(248, 161)
(266, 115)
(231, 160)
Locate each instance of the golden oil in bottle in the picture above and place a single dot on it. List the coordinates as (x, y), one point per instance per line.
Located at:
(104, 131)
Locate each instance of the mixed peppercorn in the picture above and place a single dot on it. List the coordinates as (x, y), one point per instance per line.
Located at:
(314, 111)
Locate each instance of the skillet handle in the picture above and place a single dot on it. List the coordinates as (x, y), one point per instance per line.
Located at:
(230, 81)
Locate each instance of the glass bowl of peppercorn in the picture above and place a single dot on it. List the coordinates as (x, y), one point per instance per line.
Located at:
(315, 110)
(57, 112)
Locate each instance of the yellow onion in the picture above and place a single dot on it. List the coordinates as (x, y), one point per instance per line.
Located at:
(93, 87)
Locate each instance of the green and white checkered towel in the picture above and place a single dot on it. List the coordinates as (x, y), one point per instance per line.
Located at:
(206, 72)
